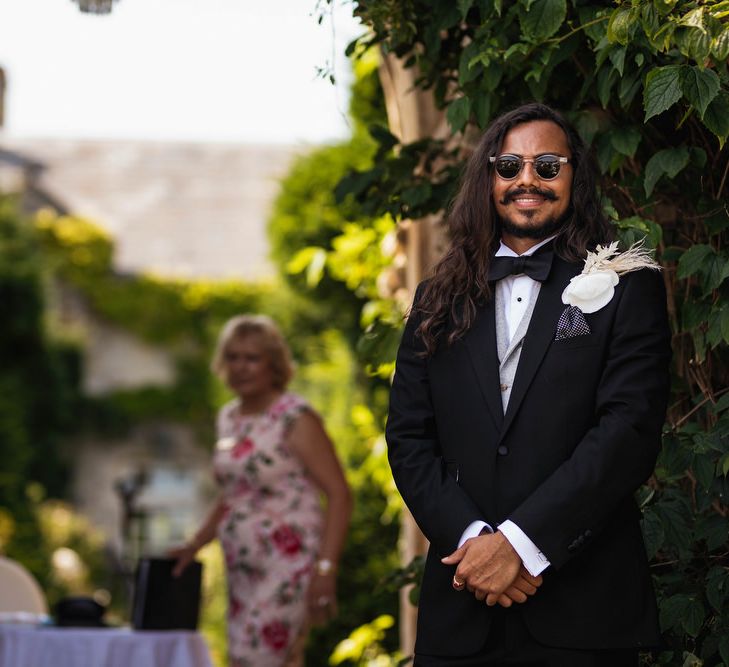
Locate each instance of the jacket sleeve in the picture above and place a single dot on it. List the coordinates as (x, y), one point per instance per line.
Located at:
(619, 452)
(441, 508)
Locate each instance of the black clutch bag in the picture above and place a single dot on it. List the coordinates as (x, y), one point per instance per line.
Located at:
(164, 602)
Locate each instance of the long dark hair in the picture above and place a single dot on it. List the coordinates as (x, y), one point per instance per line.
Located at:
(459, 282)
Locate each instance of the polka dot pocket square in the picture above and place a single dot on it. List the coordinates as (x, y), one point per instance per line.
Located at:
(571, 324)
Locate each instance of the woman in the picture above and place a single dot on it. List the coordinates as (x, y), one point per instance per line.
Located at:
(272, 461)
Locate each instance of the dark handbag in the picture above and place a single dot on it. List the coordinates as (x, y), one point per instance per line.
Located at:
(164, 602)
(79, 612)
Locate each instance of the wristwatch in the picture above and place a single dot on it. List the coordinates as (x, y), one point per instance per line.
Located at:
(324, 567)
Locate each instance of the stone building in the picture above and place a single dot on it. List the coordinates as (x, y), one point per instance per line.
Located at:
(181, 210)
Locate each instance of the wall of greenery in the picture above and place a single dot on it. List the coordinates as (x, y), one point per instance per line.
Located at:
(38, 392)
(646, 82)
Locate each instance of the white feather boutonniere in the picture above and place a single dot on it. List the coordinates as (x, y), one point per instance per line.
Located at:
(594, 287)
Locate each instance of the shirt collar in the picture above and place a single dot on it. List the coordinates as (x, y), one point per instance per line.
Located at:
(506, 251)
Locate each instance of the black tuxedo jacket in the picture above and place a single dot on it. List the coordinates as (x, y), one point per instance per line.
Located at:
(580, 434)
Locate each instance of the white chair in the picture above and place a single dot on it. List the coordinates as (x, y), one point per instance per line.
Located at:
(19, 591)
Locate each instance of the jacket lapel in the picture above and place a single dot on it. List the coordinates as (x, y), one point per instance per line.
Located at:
(481, 345)
(540, 334)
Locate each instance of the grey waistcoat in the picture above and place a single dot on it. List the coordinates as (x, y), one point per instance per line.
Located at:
(509, 352)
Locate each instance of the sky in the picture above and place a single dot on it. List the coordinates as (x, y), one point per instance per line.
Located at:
(241, 71)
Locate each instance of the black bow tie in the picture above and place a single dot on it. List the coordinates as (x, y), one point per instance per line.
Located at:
(535, 266)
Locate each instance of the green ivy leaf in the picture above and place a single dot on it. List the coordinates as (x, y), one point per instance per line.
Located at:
(605, 79)
(675, 516)
(625, 140)
(692, 260)
(716, 581)
(714, 271)
(482, 109)
(543, 18)
(724, 649)
(617, 58)
(693, 617)
(619, 26)
(653, 533)
(700, 87)
(714, 334)
(669, 161)
(672, 609)
(716, 117)
(720, 46)
(662, 90)
(469, 66)
(643, 229)
(458, 112)
(587, 126)
(491, 76)
(628, 88)
(515, 50)
(704, 469)
(694, 43)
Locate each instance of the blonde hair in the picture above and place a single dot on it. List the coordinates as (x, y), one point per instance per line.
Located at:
(274, 344)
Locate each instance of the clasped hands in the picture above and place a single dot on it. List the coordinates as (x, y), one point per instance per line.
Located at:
(490, 568)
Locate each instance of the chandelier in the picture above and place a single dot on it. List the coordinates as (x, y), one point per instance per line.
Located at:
(95, 6)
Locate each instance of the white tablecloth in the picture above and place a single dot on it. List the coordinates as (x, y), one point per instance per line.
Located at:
(22, 646)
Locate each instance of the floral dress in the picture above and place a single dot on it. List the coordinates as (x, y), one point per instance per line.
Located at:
(270, 532)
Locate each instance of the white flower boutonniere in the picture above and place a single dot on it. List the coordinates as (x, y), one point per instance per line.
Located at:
(594, 287)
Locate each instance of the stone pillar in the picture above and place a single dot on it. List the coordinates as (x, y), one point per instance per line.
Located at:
(412, 115)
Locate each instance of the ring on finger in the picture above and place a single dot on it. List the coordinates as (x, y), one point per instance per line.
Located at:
(458, 585)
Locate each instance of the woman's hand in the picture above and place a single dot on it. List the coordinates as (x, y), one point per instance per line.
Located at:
(322, 598)
(184, 555)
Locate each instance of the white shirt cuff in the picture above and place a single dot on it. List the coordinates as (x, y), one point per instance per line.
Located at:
(473, 530)
(534, 560)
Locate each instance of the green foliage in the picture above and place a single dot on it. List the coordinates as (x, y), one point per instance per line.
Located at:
(159, 310)
(38, 388)
(362, 647)
(647, 85)
(328, 248)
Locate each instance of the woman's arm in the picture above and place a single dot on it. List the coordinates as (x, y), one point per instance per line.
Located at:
(310, 443)
(206, 533)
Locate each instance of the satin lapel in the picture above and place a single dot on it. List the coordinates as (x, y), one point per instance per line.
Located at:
(481, 345)
(540, 334)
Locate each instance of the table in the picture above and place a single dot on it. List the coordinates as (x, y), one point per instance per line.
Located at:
(23, 646)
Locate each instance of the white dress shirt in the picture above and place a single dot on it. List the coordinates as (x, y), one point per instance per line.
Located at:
(516, 294)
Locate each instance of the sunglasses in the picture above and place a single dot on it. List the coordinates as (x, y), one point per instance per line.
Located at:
(547, 166)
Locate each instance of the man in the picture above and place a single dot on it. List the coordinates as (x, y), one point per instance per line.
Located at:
(515, 412)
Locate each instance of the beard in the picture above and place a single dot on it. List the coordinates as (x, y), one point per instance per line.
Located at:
(536, 232)
(529, 230)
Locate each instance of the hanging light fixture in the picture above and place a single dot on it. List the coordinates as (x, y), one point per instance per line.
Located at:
(95, 6)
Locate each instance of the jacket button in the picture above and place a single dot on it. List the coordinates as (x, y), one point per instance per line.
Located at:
(588, 533)
(572, 547)
(503, 450)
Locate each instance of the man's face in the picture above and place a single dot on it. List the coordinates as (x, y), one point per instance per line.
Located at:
(529, 206)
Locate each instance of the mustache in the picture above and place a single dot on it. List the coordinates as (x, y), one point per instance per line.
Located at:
(517, 192)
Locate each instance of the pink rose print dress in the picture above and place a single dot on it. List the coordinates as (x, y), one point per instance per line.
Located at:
(270, 532)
